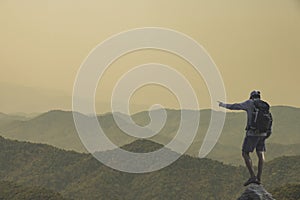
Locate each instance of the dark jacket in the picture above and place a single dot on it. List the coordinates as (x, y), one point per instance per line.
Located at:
(247, 106)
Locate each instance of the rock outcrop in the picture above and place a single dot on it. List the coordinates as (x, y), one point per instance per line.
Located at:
(256, 192)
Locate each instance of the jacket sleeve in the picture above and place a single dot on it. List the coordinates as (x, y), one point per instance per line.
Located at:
(236, 106)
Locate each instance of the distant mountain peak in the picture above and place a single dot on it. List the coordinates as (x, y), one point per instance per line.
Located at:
(53, 113)
(2, 115)
(58, 112)
(142, 146)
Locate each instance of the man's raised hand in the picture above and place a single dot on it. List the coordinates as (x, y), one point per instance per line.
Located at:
(220, 103)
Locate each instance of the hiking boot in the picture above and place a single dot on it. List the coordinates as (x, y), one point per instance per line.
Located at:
(252, 180)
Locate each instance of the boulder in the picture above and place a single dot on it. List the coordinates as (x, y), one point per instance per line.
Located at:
(256, 192)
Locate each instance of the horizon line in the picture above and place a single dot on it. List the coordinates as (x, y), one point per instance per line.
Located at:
(140, 111)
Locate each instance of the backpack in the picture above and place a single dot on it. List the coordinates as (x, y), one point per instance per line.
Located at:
(261, 118)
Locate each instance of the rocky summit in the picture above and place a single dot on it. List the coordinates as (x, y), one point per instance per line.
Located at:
(256, 192)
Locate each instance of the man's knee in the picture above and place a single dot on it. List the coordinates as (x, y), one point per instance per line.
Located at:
(245, 155)
(260, 155)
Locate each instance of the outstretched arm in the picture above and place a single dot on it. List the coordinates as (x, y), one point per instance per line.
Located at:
(236, 106)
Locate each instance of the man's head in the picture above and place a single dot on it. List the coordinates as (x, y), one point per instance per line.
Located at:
(255, 94)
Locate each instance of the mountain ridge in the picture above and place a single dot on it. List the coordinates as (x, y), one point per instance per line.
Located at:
(80, 176)
(56, 127)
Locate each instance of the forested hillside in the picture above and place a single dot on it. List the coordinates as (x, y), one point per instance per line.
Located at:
(80, 176)
(12, 191)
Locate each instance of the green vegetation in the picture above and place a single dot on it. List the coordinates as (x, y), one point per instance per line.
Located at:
(282, 170)
(80, 176)
(287, 192)
(12, 191)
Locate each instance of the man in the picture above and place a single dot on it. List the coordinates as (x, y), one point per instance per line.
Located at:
(252, 139)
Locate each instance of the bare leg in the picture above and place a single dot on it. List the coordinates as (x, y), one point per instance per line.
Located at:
(248, 163)
(261, 159)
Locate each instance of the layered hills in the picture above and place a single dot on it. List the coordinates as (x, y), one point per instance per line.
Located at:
(57, 128)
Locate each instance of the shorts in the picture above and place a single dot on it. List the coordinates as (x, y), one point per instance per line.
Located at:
(254, 142)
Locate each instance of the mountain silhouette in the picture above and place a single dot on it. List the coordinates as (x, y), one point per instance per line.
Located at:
(57, 128)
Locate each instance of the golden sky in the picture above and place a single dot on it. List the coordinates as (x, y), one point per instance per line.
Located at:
(255, 44)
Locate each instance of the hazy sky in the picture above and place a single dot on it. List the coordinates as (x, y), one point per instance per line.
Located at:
(255, 44)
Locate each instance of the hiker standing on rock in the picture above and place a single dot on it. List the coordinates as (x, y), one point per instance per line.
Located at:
(259, 122)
